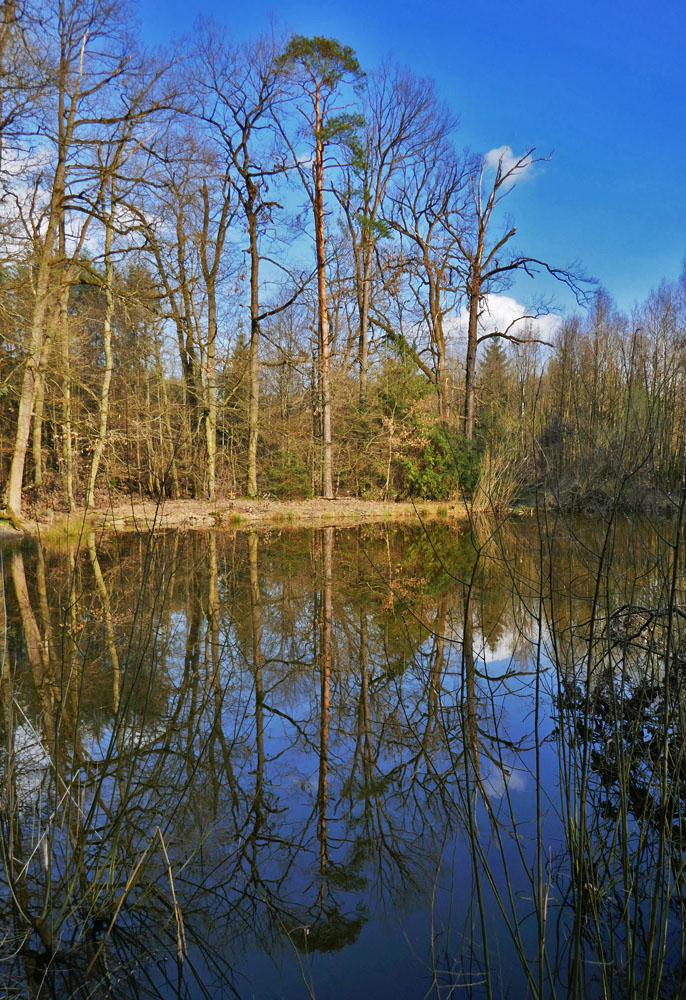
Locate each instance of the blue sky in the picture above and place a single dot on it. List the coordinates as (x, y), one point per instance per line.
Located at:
(599, 85)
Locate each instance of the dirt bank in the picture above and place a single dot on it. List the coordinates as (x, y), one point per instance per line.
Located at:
(239, 514)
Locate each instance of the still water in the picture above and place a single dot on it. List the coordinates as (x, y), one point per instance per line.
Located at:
(382, 762)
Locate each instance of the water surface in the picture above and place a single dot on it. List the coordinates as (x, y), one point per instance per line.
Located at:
(385, 761)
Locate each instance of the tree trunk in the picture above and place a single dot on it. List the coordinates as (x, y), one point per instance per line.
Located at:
(65, 126)
(107, 377)
(254, 358)
(210, 416)
(188, 350)
(324, 337)
(442, 375)
(32, 369)
(37, 443)
(437, 336)
(470, 363)
(364, 322)
(67, 453)
(164, 403)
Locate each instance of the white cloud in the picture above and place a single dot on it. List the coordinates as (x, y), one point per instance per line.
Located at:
(31, 764)
(502, 779)
(22, 184)
(503, 311)
(501, 654)
(19, 163)
(508, 160)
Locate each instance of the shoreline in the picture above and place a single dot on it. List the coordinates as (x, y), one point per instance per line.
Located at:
(235, 514)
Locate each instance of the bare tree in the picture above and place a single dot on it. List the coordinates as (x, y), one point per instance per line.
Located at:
(240, 94)
(404, 119)
(487, 262)
(185, 223)
(430, 213)
(85, 97)
(22, 78)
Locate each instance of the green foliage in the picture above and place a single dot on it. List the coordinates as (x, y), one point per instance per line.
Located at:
(402, 347)
(400, 387)
(332, 931)
(443, 464)
(322, 59)
(496, 388)
(287, 476)
(344, 127)
(373, 229)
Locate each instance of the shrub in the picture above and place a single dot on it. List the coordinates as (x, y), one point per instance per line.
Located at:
(443, 464)
(287, 476)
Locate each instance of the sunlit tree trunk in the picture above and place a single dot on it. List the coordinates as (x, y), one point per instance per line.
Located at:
(67, 450)
(69, 72)
(171, 443)
(109, 362)
(210, 256)
(210, 389)
(324, 336)
(470, 359)
(320, 65)
(254, 358)
(35, 350)
(37, 439)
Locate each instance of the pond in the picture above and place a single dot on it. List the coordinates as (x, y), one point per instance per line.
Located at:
(388, 761)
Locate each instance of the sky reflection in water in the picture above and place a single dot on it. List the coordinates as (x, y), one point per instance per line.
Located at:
(306, 763)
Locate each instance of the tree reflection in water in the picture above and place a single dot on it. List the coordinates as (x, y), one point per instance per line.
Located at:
(462, 751)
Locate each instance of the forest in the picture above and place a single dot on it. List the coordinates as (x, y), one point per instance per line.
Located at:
(265, 270)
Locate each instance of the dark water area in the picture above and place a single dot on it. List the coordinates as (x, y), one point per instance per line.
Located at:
(393, 762)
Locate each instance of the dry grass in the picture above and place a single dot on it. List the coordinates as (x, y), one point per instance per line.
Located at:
(199, 514)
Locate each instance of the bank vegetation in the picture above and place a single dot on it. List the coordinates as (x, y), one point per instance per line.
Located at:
(264, 270)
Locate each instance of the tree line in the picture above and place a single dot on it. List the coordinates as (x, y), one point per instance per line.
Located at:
(255, 268)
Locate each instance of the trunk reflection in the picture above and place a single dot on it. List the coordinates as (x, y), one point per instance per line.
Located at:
(290, 744)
